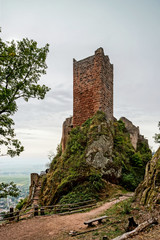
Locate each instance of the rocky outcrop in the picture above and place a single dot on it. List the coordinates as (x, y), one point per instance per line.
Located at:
(99, 150)
(148, 192)
(99, 155)
(134, 132)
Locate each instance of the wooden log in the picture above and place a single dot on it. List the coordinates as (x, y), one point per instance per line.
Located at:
(138, 229)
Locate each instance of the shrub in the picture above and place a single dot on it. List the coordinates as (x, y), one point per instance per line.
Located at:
(21, 203)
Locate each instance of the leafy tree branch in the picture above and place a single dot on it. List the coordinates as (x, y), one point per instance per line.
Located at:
(22, 64)
(8, 189)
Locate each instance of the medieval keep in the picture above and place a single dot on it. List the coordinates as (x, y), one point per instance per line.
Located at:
(92, 91)
(92, 87)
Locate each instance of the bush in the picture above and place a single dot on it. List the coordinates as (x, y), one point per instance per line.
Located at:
(21, 203)
(126, 208)
(129, 181)
(96, 182)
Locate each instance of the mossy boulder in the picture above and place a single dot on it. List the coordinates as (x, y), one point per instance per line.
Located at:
(148, 192)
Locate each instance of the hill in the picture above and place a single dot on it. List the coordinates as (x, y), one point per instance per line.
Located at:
(97, 152)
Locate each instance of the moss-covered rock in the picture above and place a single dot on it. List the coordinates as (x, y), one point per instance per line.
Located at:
(148, 192)
(99, 150)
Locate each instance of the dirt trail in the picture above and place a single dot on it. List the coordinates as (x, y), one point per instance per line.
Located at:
(51, 227)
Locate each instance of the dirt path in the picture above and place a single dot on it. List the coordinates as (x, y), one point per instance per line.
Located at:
(51, 227)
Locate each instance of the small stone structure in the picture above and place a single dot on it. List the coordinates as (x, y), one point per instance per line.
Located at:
(134, 132)
(35, 187)
(66, 128)
(92, 87)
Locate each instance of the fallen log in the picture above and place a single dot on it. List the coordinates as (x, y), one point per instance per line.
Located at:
(138, 229)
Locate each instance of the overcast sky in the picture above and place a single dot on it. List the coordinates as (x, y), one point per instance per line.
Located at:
(128, 31)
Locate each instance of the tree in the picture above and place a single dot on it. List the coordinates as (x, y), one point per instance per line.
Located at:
(8, 189)
(157, 135)
(21, 65)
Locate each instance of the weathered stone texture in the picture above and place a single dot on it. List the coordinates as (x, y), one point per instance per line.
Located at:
(92, 87)
(148, 192)
(66, 128)
(133, 131)
(99, 155)
(34, 179)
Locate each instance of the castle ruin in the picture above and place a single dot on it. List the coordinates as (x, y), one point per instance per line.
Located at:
(92, 87)
(93, 91)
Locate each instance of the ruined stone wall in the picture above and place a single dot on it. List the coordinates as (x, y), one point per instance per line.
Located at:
(34, 183)
(66, 128)
(34, 179)
(134, 132)
(92, 87)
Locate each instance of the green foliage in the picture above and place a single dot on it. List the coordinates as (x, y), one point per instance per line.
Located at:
(157, 135)
(96, 182)
(21, 203)
(79, 194)
(121, 126)
(127, 207)
(77, 141)
(59, 150)
(129, 180)
(21, 65)
(8, 189)
(87, 122)
(11, 146)
(85, 190)
(133, 162)
(120, 209)
(98, 117)
(136, 160)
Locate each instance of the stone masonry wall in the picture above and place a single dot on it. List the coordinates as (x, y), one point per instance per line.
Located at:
(92, 87)
(134, 132)
(66, 128)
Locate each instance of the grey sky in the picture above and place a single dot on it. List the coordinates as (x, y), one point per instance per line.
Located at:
(128, 31)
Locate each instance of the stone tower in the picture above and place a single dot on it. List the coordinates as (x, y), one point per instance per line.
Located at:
(92, 87)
